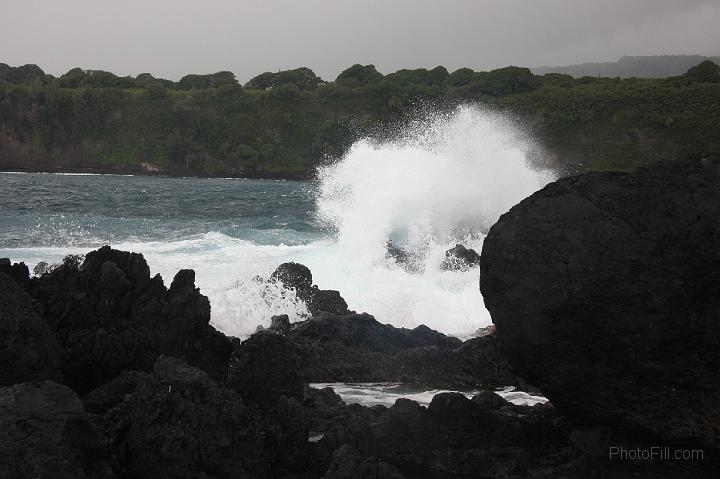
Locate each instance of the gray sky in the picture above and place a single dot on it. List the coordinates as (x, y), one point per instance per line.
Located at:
(170, 38)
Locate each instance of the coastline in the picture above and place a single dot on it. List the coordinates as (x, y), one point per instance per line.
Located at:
(76, 170)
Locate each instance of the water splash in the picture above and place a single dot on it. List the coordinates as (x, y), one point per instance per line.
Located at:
(445, 180)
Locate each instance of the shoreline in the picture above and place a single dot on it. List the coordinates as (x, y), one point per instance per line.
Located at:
(164, 174)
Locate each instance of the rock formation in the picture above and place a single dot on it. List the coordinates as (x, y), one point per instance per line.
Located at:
(319, 301)
(605, 290)
(460, 258)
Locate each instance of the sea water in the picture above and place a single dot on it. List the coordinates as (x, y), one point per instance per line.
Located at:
(445, 180)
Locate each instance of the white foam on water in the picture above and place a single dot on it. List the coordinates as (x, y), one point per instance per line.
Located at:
(446, 180)
(385, 394)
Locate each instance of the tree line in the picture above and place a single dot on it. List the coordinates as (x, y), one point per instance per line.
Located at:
(285, 123)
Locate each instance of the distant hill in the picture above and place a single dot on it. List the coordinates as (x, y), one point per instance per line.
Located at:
(655, 66)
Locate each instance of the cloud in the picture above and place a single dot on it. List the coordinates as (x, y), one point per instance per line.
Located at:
(171, 38)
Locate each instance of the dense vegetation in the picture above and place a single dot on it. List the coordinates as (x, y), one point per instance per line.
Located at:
(285, 123)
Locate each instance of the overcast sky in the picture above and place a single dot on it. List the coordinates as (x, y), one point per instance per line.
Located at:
(170, 38)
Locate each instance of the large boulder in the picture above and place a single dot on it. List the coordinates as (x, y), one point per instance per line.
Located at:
(605, 290)
(109, 315)
(28, 349)
(44, 433)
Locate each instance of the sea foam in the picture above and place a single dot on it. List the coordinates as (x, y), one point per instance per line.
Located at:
(444, 179)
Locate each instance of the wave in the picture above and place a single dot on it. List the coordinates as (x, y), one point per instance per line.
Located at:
(445, 180)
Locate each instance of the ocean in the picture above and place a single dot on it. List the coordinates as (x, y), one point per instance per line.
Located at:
(445, 181)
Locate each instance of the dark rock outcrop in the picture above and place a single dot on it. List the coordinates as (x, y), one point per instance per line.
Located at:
(28, 349)
(44, 433)
(265, 367)
(605, 290)
(357, 348)
(452, 437)
(318, 301)
(347, 463)
(460, 258)
(109, 315)
(18, 272)
(178, 422)
(280, 323)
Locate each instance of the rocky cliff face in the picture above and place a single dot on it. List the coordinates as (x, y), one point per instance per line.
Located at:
(605, 290)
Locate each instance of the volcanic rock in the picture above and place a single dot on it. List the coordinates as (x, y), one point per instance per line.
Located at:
(605, 290)
(265, 367)
(28, 349)
(109, 316)
(18, 272)
(318, 301)
(179, 423)
(347, 463)
(460, 258)
(357, 348)
(44, 433)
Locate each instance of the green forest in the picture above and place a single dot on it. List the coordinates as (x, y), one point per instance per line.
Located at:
(284, 124)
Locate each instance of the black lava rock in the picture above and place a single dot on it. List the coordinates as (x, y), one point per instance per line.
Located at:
(44, 433)
(605, 290)
(28, 348)
(460, 258)
(357, 348)
(109, 315)
(318, 301)
(265, 367)
(178, 422)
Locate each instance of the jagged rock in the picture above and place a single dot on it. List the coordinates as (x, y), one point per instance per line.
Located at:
(324, 302)
(44, 433)
(265, 367)
(179, 423)
(489, 400)
(460, 258)
(280, 323)
(605, 290)
(455, 437)
(347, 463)
(109, 315)
(43, 267)
(28, 349)
(318, 301)
(357, 348)
(293, 275)
(18, 272)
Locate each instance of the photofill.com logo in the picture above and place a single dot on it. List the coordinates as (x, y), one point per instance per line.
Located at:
(655, 453)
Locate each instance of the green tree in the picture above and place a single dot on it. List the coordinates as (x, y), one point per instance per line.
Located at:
(705, 72)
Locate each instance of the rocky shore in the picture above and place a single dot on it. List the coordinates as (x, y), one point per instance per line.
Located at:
(603, 289)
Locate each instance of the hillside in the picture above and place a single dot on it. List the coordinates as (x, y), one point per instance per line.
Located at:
(652, 66)
(283, 124)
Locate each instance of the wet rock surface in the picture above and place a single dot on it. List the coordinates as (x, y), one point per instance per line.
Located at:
(460, 258)
(605, 290)
(319, 301)
(109, 315)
